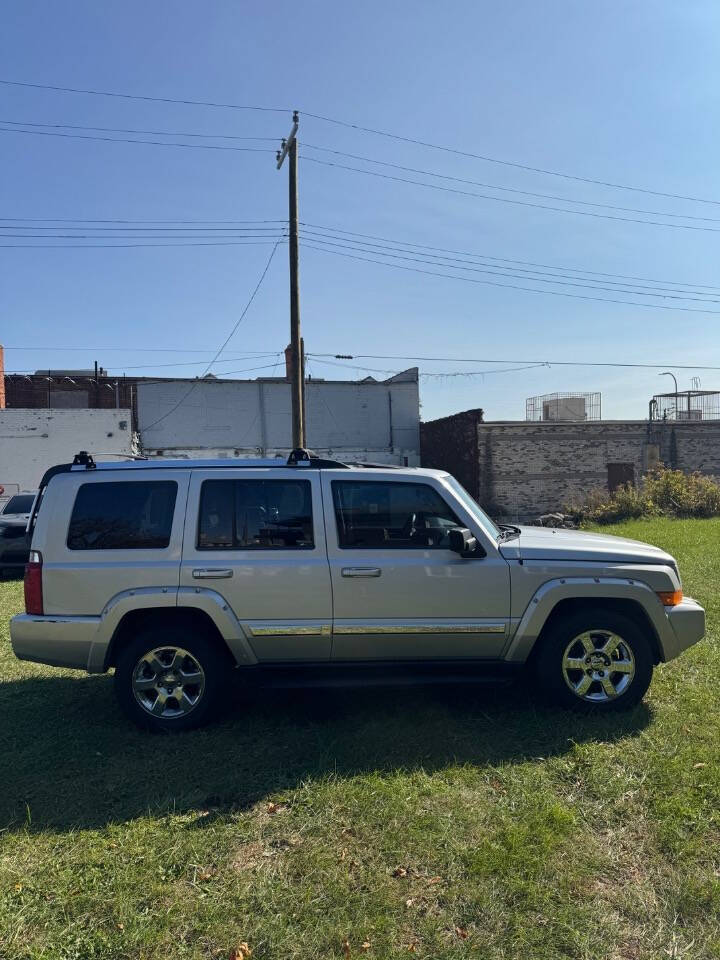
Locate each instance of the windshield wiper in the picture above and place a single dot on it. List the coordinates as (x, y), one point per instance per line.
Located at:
(508, 532)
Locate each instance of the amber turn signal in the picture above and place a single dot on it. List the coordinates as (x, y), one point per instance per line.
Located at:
(670, 598)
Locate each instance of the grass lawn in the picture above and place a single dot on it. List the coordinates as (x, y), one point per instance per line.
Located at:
(433, 823)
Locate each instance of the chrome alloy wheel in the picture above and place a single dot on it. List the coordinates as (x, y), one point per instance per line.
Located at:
(598, 665)
(168, 682)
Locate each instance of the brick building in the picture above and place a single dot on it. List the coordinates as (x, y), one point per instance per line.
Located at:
(520, 469)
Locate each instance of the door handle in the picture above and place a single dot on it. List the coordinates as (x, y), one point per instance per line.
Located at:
(361, 571)
(211, 573)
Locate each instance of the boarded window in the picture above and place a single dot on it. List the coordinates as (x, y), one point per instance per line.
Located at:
(619, 475)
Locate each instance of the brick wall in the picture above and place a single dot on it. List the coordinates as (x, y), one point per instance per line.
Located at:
(525, 468)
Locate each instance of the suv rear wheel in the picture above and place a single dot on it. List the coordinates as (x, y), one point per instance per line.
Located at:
(171, 679)
(595, 661)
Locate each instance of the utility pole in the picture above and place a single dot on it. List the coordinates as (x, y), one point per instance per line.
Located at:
(297, 381)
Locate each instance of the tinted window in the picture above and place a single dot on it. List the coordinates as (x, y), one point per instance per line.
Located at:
(20, 503)
(391, 514)
(131, 515)
(255, 514)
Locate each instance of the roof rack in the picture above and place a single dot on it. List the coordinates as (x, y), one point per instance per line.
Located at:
(304, 458)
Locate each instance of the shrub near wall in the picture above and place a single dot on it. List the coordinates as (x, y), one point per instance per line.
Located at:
(663, 492)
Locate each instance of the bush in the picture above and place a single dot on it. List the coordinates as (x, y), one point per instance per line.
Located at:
(663, 492)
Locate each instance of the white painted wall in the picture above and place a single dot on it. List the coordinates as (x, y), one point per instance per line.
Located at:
(33, 440)
(353, 420)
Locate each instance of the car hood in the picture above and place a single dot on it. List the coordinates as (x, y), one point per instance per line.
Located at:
(548, 543)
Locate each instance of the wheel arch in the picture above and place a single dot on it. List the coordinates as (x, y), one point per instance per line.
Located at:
(625, 606)
(161, 618)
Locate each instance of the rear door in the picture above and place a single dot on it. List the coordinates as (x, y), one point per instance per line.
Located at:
(256, 536)
(399, 591)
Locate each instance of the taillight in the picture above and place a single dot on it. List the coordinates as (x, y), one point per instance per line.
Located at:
(33, 584)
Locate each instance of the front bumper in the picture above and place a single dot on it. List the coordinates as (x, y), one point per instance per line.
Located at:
(57, 641)
(687, 623)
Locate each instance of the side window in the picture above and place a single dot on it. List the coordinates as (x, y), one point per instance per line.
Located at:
(391, 514)
(255, 515)
(129, 515)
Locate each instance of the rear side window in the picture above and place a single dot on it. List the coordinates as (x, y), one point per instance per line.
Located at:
(131, 515)
(20, 503)
(255, 515)
(391, 514)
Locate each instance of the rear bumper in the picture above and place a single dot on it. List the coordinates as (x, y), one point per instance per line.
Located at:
(57, 641)
(687, 626)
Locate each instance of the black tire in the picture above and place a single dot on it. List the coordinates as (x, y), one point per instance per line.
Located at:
(555, 681)
(211, 693)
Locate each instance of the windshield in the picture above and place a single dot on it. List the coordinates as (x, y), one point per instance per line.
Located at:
(473, 507)
(20, 503)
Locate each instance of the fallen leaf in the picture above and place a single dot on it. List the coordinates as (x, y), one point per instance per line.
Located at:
(462, 933)
(698, 766)
(365, 946)
(121, 926)
(434, 880)
(241, 952)
(343, 854)
(409, 902)
(412, 946)
(399, 872)
(346, 947)
(276, 808)
(18, 887)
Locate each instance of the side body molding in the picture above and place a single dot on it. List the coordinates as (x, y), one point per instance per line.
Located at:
(591, 588)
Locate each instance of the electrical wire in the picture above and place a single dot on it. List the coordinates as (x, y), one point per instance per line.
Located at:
(121, 246)
(521, 203)
(547, 362)
(371, 130)
(495, 186)
(456, 264)
(86, 221)
(510, 286)
(486, 256)
(154, 143)
(153, 133)
(136, 96)
(224, 344)
(509, 163)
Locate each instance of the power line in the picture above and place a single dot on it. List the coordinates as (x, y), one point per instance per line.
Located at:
(371, 130)
(154, 133)
(224, 344)
(495, 186)
(135, 96)
(521, 203)
(181, 231)
(243, 353)
(122, 246)
(546, 362)
(86, 221)
(486, 256)
(509, 286)
(509, 163)
(153, 143)
(558, 280)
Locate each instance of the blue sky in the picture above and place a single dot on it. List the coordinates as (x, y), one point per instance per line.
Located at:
(626, 93)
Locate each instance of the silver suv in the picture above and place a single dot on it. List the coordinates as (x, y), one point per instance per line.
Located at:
(174, 572)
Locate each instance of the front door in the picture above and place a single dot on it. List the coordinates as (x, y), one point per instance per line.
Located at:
(399, 591)
(256, 537)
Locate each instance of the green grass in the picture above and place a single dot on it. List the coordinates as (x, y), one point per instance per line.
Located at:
(428, 823)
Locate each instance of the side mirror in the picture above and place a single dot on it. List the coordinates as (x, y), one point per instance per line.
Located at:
(462, 541)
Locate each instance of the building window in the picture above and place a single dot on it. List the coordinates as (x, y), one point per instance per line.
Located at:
(391, 515)
(128, 515)
(255, 515)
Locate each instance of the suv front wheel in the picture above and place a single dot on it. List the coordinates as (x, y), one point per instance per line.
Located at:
(171, 679)
(595, 661)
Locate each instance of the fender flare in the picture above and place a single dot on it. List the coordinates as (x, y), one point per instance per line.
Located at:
(554, 591)
(145, 598)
